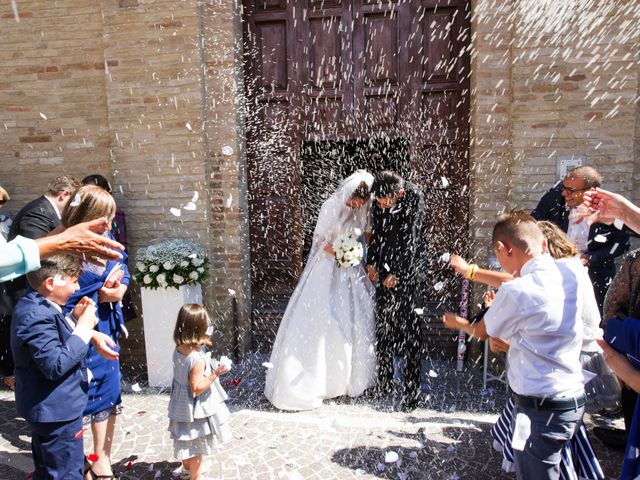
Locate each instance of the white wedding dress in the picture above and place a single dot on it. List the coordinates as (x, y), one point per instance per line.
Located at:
(325, 346)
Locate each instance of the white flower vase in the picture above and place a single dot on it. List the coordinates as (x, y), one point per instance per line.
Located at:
(160, 309)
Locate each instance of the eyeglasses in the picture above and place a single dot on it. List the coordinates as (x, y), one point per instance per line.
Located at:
(573, 190)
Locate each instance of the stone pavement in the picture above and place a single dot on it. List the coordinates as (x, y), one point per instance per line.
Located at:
(446, 438)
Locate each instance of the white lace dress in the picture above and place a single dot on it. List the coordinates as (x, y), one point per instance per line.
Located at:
(197, 424)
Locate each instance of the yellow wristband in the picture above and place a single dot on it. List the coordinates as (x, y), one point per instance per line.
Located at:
(472, 271)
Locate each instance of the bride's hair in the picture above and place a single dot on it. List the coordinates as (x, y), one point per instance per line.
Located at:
(361, 191)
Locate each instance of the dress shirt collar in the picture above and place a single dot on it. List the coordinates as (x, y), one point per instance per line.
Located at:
(55, 207)
(56, 306)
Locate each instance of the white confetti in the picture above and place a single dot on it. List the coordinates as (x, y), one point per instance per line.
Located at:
(190, 206)
(151, 467)
(76, 201)
(209, 331)
(618, 223)
(136, 387)
(600, 239)
(360, 472)
(188, 125)
(231, 291)
(445, 182)
(195, 197)
(268, 365)
(433, 374)
(419, 311)
(438, 286)
(44, 117)
(175, 211)
(445, 257)
(386, 267)
(226, 361)
(227, 150)
(391, 457)
(229, 201)
(614, 248)
(58, 281)
(357, 231)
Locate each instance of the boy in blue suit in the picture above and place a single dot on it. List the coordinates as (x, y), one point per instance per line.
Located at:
(51, 379)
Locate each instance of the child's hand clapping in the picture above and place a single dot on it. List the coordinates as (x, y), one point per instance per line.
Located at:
(459, 264)
(489, 297)
(85, 313)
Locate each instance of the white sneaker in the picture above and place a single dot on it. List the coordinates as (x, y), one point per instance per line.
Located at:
(181, 473)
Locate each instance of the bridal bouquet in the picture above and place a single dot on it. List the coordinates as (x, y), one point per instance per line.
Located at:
(349, 251)
(171, 264)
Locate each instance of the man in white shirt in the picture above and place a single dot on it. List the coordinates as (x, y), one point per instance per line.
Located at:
(538, 313)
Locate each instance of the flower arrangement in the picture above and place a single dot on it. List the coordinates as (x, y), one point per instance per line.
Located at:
(349, 251)
(171, 264)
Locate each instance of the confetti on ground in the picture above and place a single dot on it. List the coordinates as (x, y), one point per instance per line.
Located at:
(433, 374)
(190, 206)
(391, 457)
(445, 257)
(445, 182)
(438, 286)
(227, 150)
(195, 197)
(44, 117)
(419, 311)
(175, 211)
(229, 201)
(136, 387)
(231, 291)
(188, 125)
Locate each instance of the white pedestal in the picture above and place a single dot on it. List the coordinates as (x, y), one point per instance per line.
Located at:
(159, 312)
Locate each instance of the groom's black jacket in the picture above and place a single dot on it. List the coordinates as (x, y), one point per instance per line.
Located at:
(397, 243)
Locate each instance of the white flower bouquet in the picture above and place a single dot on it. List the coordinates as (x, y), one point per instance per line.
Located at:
(171, 264)
(349, 251)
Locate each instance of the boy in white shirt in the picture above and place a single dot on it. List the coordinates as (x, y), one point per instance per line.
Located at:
(538, 313)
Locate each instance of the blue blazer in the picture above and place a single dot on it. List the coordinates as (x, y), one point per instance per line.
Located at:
(51, 378)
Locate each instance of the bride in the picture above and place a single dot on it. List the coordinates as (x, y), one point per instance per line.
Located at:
(325, 346)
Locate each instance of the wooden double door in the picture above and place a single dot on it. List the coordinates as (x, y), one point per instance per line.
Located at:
(336, 85)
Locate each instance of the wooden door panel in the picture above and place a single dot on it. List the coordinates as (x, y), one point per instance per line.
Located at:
(344, 76)
(272, 73)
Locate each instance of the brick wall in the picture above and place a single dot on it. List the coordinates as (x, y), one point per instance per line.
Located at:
(148, 93)
(53, 102)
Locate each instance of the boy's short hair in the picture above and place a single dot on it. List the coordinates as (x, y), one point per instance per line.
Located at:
(520, 230)
(66, 265)
(387, 182)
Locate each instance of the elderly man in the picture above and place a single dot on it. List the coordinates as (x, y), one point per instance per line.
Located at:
(599, 243)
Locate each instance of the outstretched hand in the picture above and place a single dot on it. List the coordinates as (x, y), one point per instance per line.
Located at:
(459, 264)
(604, 206)
(83, 240)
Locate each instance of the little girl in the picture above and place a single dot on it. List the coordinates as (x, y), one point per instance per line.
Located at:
(198, 416)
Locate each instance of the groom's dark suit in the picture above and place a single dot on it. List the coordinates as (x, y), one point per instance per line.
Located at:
(397, 249)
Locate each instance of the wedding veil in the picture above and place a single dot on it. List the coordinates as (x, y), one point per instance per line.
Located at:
(335, 212)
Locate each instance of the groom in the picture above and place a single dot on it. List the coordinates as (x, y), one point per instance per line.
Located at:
(395, 261)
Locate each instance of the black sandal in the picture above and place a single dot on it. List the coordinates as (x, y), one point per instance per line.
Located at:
(95, 476)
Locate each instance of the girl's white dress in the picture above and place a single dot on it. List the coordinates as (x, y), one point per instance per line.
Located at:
(325, 346)
(197, 424)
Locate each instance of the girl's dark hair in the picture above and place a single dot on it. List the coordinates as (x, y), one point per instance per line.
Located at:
(191, 326)
(387, 182)
(361, 192)
(97, 179)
